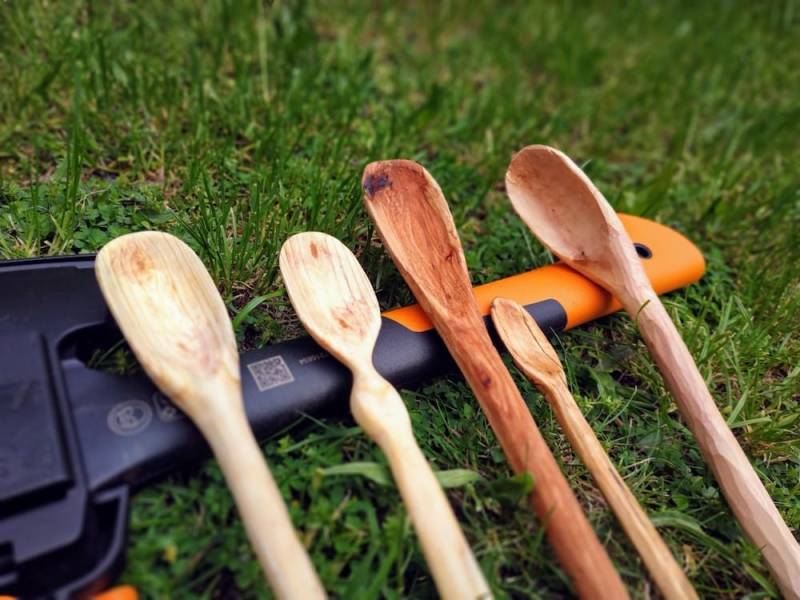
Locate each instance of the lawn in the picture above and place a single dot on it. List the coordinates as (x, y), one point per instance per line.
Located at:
(200, 117)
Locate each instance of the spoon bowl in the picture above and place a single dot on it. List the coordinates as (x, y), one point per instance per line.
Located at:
(422, 238)
(320, 273)
(570, 216)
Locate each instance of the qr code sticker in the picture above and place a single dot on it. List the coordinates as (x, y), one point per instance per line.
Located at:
(270, 372)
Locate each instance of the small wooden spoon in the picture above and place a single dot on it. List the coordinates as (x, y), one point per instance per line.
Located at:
(417, 228)
(335, 301)
(537, 359)
(176, 323)
(571, 217)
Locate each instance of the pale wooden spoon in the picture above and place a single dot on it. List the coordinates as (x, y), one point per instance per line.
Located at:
(571, 217)
(537, 359)
(417, 228)
(335, 302)
(171, 313)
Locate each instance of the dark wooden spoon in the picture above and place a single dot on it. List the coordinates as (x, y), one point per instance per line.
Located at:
(417, 228)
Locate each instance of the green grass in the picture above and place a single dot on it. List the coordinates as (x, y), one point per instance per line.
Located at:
(234, 124)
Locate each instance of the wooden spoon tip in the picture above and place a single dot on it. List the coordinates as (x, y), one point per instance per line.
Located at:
(375, 182)
(137, 255)
(537, 157)
(380, 175)
(525, 341)
(501, 303)
(314, 241)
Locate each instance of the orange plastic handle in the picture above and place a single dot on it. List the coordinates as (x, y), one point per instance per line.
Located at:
(122, 592)
(675, 263)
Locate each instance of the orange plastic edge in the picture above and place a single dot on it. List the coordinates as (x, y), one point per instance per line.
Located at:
(676, 262)
(121, 592)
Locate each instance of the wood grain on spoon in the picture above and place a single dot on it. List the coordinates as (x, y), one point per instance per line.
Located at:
(335, 301)
(169, 310)
(571, 217)
(537, 359)
(417, 228)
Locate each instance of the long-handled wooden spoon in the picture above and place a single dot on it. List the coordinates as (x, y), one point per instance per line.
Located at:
(335, 301)
(176, 323)
(572, 218)
(417, 228)
(537, 359)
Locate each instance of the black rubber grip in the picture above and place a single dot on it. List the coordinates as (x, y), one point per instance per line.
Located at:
(140, 435)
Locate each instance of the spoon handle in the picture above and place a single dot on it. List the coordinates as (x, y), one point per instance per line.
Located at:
(266, 519)
(380, 411)
(742, 487)
(666, 572)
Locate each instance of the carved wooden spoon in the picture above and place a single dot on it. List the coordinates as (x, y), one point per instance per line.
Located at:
(417, 228)
(335, 301)
(571, 217)
(537, 359)
(176, 323)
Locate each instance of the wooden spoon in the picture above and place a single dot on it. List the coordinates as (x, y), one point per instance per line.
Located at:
(176, 323)
(537, 359)
(417, 228)
(335, 301)
(572, 218)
